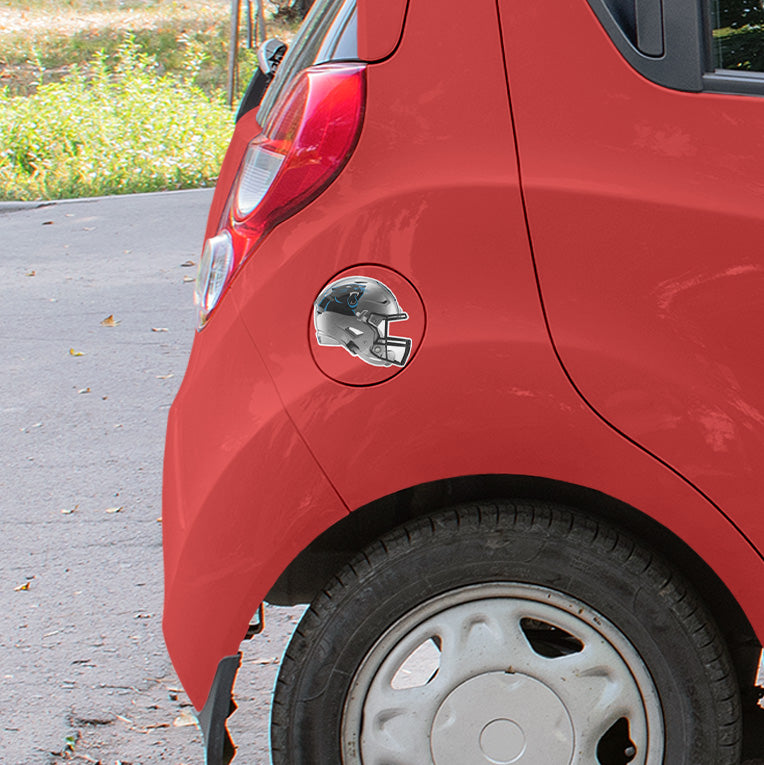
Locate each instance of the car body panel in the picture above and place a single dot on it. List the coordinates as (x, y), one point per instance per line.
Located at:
(646, 213)
(266, 450)
(231, 458)
(486, 386)
(380, 26)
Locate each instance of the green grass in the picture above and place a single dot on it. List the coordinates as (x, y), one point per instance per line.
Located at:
(41, 42)
(114, 96)
(120, 129)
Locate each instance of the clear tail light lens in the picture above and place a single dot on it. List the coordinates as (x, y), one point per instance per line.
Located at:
(215, 267)
(259, 170)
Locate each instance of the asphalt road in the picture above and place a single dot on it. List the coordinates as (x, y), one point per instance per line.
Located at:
(84, 672)
(85, 675)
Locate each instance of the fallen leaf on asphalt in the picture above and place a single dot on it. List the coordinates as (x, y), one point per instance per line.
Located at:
(72, 352)
(114, 509)
(189, 278)
(159, 329)
(183, 720)
(165, 377)
(69, 511)
(187, 264)
(22, 587)
(47, 223)
(109, 321)
(159, 520)
(31, 273)
(84, 390)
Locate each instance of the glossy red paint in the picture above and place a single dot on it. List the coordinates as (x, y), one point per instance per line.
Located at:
(646, 213)
(230, 460)
(486, 386)
(432, 193)
(380, 26)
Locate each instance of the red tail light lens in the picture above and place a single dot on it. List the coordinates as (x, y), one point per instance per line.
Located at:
(303, 147)
(301, 150)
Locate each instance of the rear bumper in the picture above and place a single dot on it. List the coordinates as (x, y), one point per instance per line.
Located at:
(242, 495)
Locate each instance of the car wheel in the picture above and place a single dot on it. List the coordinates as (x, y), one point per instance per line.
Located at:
(506, 634)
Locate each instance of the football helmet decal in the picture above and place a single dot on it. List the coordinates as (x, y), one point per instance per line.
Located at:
(355, 313)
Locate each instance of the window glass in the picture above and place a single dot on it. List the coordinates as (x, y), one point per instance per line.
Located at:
(319, 31)
(347, 43)
(738, 34)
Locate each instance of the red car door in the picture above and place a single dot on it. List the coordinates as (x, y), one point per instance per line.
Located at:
(642, 164)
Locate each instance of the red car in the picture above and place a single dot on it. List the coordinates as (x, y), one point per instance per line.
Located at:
(477, 377)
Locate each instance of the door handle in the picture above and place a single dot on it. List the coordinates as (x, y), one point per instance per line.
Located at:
(649, 23)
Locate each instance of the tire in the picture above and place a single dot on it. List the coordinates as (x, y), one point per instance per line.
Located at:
(506, 634)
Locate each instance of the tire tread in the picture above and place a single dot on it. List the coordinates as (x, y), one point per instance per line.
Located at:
(548, 522)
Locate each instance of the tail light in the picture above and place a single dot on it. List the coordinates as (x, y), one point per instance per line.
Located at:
(214, 269)
(304, 145)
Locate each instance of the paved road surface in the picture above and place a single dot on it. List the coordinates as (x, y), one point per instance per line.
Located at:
(81, 651)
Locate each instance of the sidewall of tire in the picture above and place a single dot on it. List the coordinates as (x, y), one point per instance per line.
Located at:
(550, 547)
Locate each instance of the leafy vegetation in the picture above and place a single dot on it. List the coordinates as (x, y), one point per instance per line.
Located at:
(117, 96)
(42, 40)
(738, 34)
(737, 13)
(119, 129)
(293, 9)
(741, 48)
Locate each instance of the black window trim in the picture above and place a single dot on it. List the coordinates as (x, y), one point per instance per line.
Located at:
(733, 82)
(687, 60)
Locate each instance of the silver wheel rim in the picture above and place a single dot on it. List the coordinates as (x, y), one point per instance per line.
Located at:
(492, 692)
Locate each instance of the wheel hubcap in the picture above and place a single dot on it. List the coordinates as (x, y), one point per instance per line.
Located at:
(502, 741)
(498, 719)
(502, 674)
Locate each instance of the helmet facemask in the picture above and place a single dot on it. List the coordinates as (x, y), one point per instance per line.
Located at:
(388, 348)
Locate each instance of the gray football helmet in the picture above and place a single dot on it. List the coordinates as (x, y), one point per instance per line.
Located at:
(355, 313)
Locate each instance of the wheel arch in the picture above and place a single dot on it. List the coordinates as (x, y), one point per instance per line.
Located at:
(307, 574)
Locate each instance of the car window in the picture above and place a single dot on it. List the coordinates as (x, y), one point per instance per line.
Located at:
(738, 35)
(327, 34)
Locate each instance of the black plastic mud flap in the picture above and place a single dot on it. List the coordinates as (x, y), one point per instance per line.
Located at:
(218, 746)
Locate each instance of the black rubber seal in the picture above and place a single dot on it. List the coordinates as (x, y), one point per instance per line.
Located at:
(218, 745)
